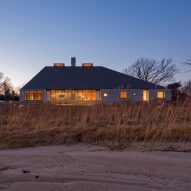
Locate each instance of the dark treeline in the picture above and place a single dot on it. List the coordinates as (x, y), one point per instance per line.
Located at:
(7, 91)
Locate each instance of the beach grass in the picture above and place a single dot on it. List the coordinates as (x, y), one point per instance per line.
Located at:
(114, 125)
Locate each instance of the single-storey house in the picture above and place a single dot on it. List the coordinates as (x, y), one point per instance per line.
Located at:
(88, 83)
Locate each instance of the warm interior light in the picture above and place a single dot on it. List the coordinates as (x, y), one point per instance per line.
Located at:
(64, 95)
(59, 64)
(33, 95)
(87, 64)
(145, 95)
(123, 95)
(160, 94)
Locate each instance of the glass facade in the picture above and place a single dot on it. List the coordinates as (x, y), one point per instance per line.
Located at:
(33, 95)
(72, 95)
(69, 96)
(59, 95)
(89, 95)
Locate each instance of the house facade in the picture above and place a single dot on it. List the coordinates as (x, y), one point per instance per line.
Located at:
(89, 84)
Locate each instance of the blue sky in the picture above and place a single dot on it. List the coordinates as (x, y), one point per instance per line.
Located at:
(111, 33)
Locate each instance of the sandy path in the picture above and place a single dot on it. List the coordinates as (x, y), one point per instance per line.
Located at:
(82, 168)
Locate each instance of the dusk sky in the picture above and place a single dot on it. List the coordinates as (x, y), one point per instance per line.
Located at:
(110, 33)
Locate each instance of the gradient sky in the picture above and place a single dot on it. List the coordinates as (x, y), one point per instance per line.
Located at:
(111, 33)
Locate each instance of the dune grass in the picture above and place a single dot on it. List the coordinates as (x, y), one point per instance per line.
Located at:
(116, 125)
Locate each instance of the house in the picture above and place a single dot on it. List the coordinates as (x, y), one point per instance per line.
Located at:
(88, 83)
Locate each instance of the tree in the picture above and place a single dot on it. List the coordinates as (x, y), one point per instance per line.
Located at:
(8, 89)
(175, 87)
(151, 70)
(187, 88)
(1, 83)
(188, 62)
(7, 92)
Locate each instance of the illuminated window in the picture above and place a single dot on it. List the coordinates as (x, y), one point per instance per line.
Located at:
(59, 95)
(71, 95)
(48, 95)
(27, 95)
(88, 95)
(33, 95)
(59, 65)
(160, 94)
(123, 95)
(145, 95)
(87, 65)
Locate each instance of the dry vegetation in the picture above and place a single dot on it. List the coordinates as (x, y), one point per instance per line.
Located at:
(110, 125)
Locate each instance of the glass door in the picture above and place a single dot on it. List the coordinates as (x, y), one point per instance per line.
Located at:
(146, 95)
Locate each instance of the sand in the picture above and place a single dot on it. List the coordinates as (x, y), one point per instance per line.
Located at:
(84, 168)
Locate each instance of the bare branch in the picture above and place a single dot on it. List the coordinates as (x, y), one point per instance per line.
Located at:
(151, 70)
(187, 88)
(1, 83)
(188, 62)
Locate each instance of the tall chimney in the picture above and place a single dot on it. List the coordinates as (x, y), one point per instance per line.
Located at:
(73, 61)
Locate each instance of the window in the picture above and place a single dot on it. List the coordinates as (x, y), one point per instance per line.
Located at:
(88, 95)
(160, 94)
(123, 95)
(87, 64)
(33, 95)
(145, 95)
(48, 93)
(60, 95)
(70, 95)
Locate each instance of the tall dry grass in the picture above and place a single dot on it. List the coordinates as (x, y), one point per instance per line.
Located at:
(110, 125)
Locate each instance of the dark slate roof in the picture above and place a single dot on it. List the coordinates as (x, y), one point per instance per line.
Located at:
(96, 77)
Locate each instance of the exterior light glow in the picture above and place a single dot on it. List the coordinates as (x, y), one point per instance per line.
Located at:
(105, 94)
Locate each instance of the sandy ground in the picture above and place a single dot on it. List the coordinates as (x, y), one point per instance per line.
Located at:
(84, 168)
